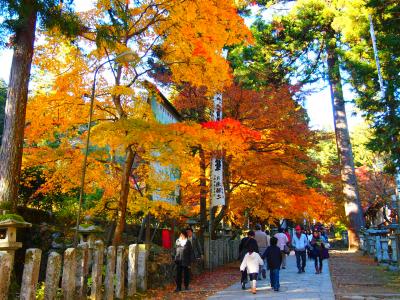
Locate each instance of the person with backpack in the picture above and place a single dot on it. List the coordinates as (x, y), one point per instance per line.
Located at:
(183, 259)
(282, 244)
(262, 243)
(246, 243)
(274, 261)
(251, 264)
(300, 243)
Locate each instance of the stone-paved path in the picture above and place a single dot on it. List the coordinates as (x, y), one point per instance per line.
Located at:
(307, 286)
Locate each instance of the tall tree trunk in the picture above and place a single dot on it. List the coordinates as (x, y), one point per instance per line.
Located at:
(123, 199)
(14, 123)
(147, 238)
(350, 189)
(203, 195)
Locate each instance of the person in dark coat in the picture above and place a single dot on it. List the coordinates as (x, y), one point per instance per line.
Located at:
(274, 260)
(197, 252)
(317, 245)
(246, 244)
(183, 259)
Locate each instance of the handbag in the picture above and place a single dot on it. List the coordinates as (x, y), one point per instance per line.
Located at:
(286, 249)
(325, 253)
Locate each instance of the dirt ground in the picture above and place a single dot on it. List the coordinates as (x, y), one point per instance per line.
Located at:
(201, 286)
(355, 276)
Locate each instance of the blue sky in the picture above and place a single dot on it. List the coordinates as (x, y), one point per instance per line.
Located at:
(318, 105)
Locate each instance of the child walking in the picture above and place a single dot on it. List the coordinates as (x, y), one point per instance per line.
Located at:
(252, 262)
(274, 260)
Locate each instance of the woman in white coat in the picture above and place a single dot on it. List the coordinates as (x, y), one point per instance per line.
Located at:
(252, 262)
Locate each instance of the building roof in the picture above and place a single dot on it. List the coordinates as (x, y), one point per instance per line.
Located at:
(168, 105)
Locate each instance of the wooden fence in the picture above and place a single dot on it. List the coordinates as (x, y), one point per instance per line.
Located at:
(68, 276)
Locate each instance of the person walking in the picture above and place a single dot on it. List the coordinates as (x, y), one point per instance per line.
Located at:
(262, 243)
(267, 232)
(251, 263)
(317, 244)
(274, 260)
(282, 244)
(196, 253)
(246, 243)
(309, 238)
(183, 259)
(299, 243)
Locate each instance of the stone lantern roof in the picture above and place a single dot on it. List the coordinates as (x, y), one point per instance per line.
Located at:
(10, 220)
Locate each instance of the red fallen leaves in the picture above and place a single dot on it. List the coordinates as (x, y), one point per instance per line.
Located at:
(201, 286)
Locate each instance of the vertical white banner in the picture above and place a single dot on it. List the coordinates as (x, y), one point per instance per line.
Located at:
(217, 170)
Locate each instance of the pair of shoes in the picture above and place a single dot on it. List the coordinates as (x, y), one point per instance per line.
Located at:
(264, 274)
(303, 271)
(243, 285)
(253, 291)
(299, 272)
(276, 290)
(283, 267)
(177, 290)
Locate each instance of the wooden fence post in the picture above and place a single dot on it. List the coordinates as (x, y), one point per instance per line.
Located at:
(68, 274)
(5, 273)
(53, 273)
(31, 274)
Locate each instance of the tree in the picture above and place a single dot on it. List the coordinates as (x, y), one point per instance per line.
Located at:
(184, 37)
(20, 19)
(266, 139)
(305, 45)
(3, 97)
(381, 110)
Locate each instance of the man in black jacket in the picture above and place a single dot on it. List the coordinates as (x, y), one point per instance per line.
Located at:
(246, 244)
(197, 253)
(274, 260)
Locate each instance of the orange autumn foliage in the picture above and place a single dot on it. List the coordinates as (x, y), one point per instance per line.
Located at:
(267, 172)
(149, 33)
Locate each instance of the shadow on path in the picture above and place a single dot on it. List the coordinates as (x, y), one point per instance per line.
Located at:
(307, 285)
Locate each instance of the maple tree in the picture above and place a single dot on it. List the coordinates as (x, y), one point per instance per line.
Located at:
(172, 34)
(264, 139)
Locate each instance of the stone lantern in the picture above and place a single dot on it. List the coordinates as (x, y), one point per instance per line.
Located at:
(8, 233)
(88, 233)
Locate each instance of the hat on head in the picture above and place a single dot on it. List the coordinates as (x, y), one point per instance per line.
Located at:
(298, 227)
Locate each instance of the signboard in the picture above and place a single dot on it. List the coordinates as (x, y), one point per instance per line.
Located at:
(217, 170)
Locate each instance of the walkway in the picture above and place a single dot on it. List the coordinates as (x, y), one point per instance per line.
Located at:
(307, 286)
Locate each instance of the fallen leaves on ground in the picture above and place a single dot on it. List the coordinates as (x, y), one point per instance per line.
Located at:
(201, 286)
(355, 274)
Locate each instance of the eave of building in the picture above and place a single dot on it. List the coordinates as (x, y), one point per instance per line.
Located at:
(167, 104)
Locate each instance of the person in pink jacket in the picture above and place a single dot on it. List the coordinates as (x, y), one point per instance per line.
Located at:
(282, 242)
